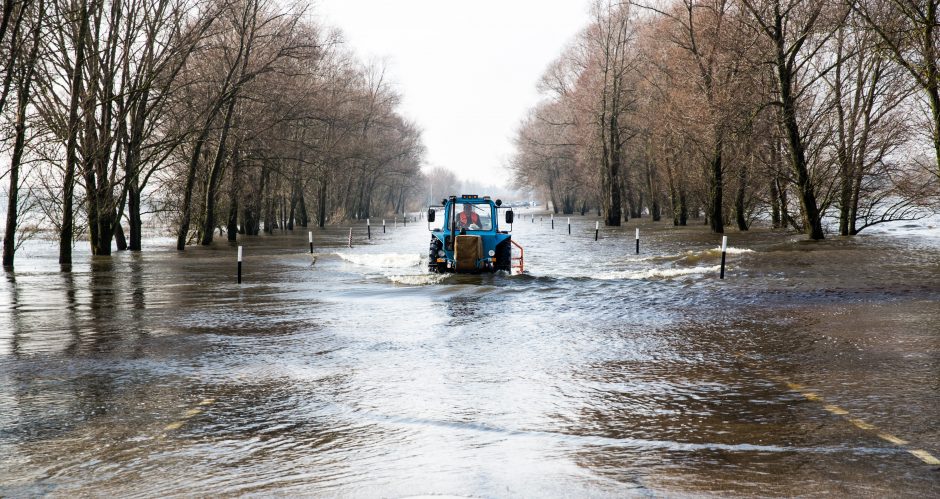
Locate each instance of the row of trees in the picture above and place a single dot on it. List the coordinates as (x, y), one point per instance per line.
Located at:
(229, 115)
(792, 109)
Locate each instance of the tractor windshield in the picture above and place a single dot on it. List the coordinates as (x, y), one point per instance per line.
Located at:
(473, 216)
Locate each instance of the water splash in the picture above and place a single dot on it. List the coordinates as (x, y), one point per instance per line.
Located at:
(656, 273)
(418, 279)
(382, 260)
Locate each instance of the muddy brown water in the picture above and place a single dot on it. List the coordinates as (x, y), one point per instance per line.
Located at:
(598, 373)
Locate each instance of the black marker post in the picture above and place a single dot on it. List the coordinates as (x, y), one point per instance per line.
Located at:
(239, 265)
(724, 249)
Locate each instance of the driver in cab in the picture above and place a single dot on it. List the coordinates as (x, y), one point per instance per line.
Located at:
(468, 219)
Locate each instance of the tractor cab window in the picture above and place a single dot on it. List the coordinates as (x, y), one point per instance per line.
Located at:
(473, 216)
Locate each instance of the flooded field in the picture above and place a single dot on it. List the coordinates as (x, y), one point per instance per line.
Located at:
(813, 368)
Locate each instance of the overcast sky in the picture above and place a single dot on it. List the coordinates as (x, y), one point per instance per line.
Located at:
(467, 70)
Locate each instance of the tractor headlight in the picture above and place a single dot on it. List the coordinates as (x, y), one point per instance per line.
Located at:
(440, 252)
(492, 253)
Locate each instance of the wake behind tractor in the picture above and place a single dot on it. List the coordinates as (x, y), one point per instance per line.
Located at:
(469, 240)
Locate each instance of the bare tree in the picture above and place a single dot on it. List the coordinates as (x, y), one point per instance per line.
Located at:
(23, 71)
(910, 31)
(796, 31)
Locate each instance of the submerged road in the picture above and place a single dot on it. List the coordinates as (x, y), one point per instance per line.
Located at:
(813, 368)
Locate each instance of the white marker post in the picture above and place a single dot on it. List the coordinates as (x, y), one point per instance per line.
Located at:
(637, 240)
(310, 238)
(404, 219)
(369, 228)
(597, 228)
(350, 237)
(724, 249)
(239, 265)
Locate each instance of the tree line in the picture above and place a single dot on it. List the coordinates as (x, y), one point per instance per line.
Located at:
(794, 111)
(207, 116)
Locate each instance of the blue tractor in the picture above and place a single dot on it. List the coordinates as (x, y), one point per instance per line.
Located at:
(469, 240)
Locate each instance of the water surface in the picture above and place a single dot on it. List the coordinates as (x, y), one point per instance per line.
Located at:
(599, 372)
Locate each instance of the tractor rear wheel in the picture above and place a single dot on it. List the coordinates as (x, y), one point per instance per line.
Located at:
(504, 256)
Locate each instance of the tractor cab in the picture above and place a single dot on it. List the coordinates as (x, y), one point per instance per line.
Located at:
(469, 239)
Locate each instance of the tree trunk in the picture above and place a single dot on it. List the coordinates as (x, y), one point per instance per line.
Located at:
(266, 203)
(934, 95)
(19, 141)
(613, 175)
(740, 201)
(655, 210)
(683, 206)
(215, 176)
(853, 209)
(135, 224)
(119, 239)
(812, 218)
(774, 205)
(785, 218)
(715, 188)
(232, 227)
(321, 202)
(304, 217)
(76, 89)
(292, 211)
(186, 216)
(19, 144)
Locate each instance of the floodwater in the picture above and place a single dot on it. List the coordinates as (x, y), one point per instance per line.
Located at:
(811, 369)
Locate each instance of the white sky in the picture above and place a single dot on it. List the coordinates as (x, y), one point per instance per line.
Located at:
(467, 70)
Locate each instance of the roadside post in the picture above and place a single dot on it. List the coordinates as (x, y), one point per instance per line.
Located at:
(239, 265)
(724, 250)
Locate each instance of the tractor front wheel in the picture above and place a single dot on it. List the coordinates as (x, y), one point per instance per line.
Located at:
(436, 246)
(504, 256)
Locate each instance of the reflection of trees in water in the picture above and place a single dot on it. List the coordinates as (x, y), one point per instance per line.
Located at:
(136, 320)
(89, 320)
(47, 396)
(103, 325)
(14, 313)
(138, 296)
(38, 321)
